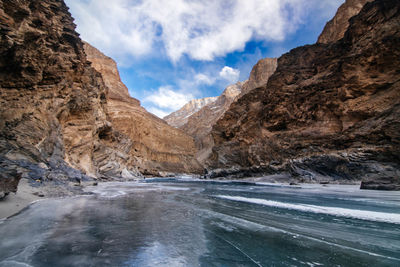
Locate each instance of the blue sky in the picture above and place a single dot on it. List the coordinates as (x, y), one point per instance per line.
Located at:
(169, 52)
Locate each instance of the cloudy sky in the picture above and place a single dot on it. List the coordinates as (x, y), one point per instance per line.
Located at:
(171, 51)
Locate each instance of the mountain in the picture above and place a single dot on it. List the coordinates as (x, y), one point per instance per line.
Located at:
(180, 117)
(334, 30)
(60, 119)
(155, 146)
(107, 67)
(330, 111)
(200, 123)
(197, 120)
(260, 74)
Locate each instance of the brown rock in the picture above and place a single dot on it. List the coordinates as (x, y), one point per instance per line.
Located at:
(154, 145)
(180, 117)
(51, 99)
(107, 67)
(260, 74)
(9, 180)
(57, 112)
(334, 30)
(199, 124)
(330, 111)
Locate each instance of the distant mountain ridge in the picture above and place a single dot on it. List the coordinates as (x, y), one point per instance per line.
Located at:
(199, 124)
(260, 74)
(180, 117)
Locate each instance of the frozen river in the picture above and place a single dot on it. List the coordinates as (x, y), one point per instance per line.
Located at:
(200, 223)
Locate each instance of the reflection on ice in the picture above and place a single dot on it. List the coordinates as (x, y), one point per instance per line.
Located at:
(117, 189)
(157, 254)
(182, 223)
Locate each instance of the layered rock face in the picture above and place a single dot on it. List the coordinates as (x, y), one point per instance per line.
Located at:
(153, 145)
(108, 69)
(260, 74)
(334, 30)
(180, 117)
(199, 124)
(56, 112)
(330, 111)
(52, 101)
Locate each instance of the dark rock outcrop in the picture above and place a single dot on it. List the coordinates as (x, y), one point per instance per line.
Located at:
(9, 180)
(330, 110)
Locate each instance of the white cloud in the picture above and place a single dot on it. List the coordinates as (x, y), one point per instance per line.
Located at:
(202, 78)
(229, 74)
(202, 30)
(158, 112)
(165, 100)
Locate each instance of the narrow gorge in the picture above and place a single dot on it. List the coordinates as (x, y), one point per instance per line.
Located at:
(276, 159)
(322, 112)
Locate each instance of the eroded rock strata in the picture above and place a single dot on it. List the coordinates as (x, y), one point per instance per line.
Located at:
(330, 111)
(52, 101)
(259, 74)
(334, 30)
(57, 112)
(155, 146)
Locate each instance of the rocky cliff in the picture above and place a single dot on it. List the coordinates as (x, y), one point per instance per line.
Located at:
(52, 101)
(180, 117)
(199, 124)
(153, 145)
(108, 69)
(260, 74)
(56, 114)
(330, 111)
(335, 28)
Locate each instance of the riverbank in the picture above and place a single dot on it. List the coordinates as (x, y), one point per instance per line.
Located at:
(15, 202)
(28, 193)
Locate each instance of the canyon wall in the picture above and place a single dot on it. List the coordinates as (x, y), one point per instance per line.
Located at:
(335, 28)
(330, 111)
(259, 74)
(57, 112)
(155, 146)
(52, 101)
